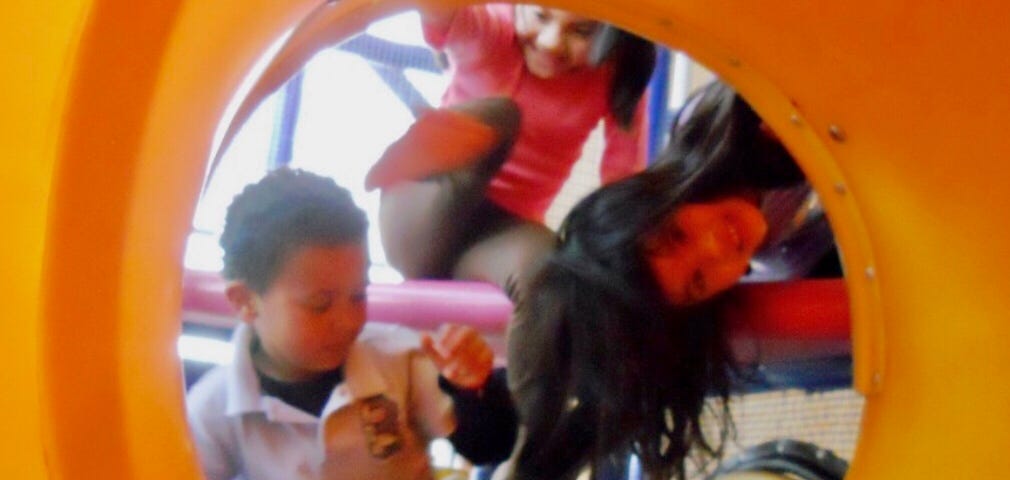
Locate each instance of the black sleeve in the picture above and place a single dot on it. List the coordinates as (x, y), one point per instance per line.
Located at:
(486, 420)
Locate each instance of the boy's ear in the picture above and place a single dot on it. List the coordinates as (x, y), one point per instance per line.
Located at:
(241, 297)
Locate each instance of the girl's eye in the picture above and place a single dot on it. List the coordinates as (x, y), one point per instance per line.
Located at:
(320, 309)
(585, 31)
(664, 240)
(541, 15)
(698, 283)
(319, 303)
(674, 236)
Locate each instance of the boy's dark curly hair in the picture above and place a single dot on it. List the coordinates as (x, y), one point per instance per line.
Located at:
(285, 210)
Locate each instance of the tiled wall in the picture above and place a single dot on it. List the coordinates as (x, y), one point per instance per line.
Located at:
(829, 419)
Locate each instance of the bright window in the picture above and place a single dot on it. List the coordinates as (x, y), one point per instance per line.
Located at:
(352, 103)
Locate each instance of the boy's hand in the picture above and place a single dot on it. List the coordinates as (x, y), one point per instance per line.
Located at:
(461, 355)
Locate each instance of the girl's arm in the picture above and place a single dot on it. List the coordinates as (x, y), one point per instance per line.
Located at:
(437, 18)
(467, 34)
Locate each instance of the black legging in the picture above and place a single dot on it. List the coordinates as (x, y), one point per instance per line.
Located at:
(444, 227)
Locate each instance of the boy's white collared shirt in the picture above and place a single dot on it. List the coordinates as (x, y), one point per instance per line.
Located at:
(376, 424)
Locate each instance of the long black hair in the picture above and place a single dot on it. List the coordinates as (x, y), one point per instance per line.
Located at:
(634, 60)
(601, 364)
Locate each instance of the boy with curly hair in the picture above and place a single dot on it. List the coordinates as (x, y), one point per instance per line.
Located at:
(314, 393)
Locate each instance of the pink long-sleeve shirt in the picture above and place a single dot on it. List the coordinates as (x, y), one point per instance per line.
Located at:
(557, 114)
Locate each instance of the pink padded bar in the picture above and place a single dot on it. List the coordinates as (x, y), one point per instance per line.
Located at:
(796, 310)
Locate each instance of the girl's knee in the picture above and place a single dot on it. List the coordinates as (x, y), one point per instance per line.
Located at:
(500, 113)
(528, 258)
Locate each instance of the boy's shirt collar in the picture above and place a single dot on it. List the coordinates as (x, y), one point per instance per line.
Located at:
(362, 379)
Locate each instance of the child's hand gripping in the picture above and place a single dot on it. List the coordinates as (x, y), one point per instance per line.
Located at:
(461, 355)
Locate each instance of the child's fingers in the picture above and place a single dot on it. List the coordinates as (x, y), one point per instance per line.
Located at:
(453, 337)
(472, 374)
(429, 347)
(474, 352)
(469, 357)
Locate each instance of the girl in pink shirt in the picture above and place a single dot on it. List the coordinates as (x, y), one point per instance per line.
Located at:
(528, 86)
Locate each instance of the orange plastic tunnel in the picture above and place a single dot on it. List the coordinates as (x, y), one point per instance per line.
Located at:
(897, 112)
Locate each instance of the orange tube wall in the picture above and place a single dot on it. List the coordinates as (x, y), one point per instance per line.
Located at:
(896, 110)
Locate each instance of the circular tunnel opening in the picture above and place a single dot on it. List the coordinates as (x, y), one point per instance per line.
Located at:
(340, 109)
